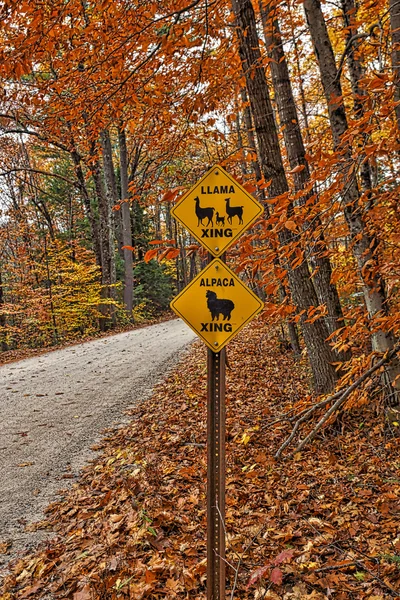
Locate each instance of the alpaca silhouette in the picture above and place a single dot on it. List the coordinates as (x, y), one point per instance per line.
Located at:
(218, 306)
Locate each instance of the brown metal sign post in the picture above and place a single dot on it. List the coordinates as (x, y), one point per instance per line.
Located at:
(216, 475)
(216, 305)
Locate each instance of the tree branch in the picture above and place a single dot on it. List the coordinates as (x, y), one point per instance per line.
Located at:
(40, 172)
(350, 42)
(341, 396)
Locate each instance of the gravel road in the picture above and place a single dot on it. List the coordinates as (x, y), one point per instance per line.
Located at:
(54, 408)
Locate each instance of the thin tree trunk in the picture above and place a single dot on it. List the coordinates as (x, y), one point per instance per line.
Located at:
(50, 290)
(106, 243)
(93, 224)
(126, 224)
(3, 322)
(295, 43)
(356, 73)
(111, 188)
(394, 8)
(322, 277)
(363, 243)
(302, 290)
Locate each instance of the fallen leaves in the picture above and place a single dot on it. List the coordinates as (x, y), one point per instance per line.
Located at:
(134, 525)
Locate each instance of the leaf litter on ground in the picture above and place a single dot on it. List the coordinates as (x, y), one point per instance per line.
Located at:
(323, 524)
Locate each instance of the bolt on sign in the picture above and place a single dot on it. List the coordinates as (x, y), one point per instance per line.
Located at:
(216, 305)
(217, 210)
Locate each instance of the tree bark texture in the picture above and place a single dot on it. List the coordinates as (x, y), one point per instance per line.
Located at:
(111, 188)
(106, 241)
(296, 153)
(251, 140)
(356, 73)
(94, 226)
(126, 223)
(394, 8)
(301, 286)
(3, 344)
(364, 245)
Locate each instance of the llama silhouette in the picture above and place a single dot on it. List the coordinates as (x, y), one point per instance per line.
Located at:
(233, 211)
(220, 220)
(218, 306)
(203, 213)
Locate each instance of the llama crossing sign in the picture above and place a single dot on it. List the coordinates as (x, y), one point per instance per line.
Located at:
(216, 305)
(217, 210)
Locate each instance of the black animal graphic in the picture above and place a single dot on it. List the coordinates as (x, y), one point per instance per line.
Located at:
(220, 220)
(233, 211)
(217, 306)
(203, 213)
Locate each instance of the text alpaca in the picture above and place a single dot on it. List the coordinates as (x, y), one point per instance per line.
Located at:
(234, 211)
(218, 306)
(203, 213)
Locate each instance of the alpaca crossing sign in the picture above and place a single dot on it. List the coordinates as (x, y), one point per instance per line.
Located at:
(216, 305)
(217, 210)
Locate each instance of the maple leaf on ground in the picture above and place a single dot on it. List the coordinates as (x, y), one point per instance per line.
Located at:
(276, 576)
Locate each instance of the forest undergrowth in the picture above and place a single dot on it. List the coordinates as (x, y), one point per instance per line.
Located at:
(321, 524)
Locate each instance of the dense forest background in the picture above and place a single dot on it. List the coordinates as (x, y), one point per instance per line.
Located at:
(111, 110)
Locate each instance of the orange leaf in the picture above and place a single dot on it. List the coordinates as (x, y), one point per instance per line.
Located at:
(291, 225)
(173, 253)
(297, 169)
(128, 248)
(163, 255)
(150, 254)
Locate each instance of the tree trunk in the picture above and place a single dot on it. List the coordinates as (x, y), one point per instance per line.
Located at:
(302, 290)
(356, 73)
(106, 243)
(126, 224)
(394, 8)
(3, 343)
(111, 188)
(248, 121)
(295, 43)
(326, 290)
(93, 224)
(364, 245)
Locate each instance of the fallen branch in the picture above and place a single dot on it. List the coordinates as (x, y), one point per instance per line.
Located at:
(338, 399)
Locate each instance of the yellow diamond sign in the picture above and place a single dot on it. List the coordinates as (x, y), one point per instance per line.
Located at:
(217, 210)
(216, 305)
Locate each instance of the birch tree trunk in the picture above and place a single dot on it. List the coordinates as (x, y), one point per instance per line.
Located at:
(126, 224)
(302, 290)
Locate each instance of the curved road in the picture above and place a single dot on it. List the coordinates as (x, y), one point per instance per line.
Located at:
(54, 407)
